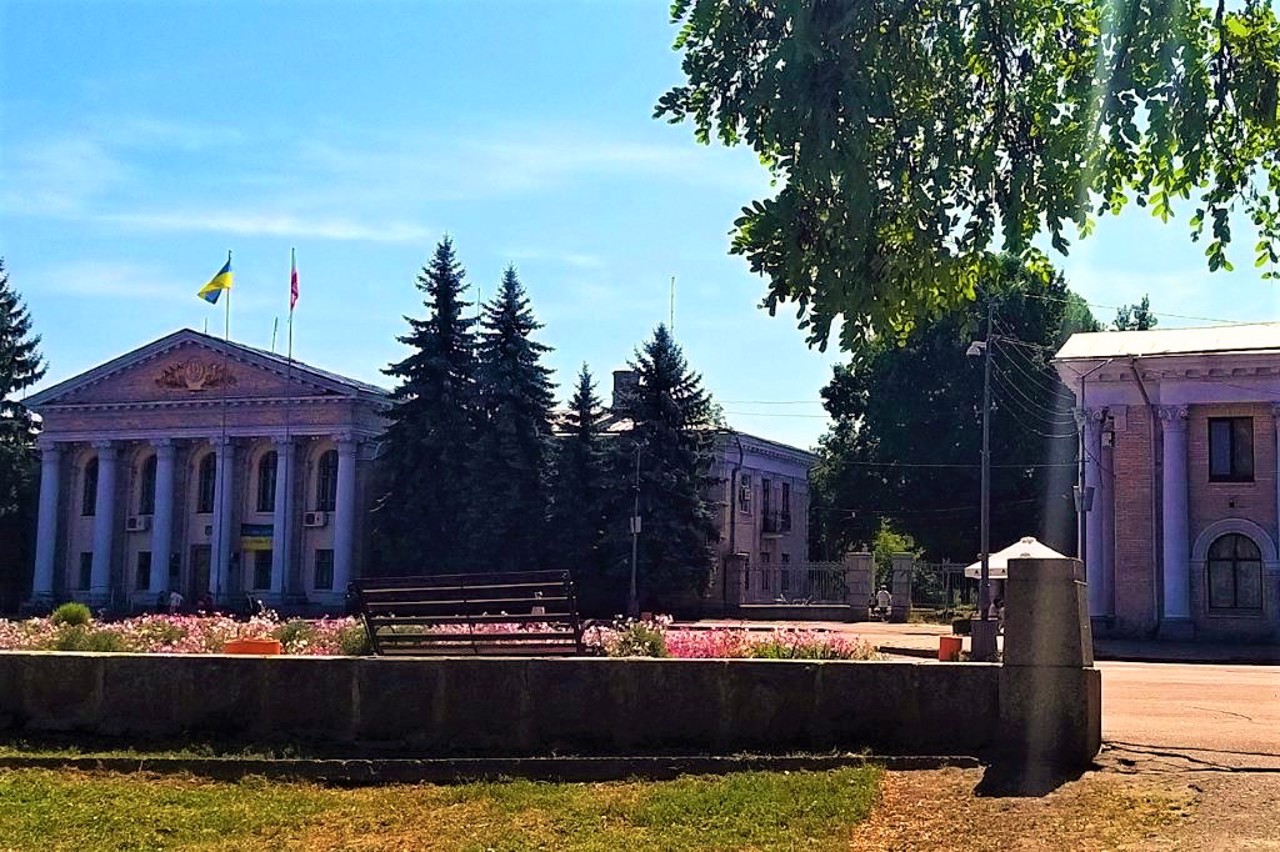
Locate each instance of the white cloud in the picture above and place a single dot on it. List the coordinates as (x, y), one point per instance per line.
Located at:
(58, 177)
(255, 223)
(106, 279)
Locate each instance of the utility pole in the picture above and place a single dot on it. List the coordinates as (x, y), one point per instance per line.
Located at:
(633, 599)
(983, 640)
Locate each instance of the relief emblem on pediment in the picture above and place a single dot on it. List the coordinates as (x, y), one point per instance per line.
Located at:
(195, 375)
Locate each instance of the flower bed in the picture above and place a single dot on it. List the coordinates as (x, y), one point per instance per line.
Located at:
(208, 634)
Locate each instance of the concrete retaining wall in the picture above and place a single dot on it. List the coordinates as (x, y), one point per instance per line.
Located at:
(512, 707)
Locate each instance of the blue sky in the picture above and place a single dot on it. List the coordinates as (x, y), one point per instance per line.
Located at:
(139, 141)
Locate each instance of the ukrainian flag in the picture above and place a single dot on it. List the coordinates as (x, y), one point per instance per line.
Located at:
(222, 281)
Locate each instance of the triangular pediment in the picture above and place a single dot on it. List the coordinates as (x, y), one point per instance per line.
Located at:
(188, 366)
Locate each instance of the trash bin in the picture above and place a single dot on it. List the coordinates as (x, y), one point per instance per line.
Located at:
(949, 648)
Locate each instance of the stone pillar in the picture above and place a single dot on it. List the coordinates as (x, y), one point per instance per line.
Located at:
(1050, 694)
(282, 527)
(1176, 622)
(344, 516)
(162, 522)
(223, 517)
(103, 524)
(903, 567)
(1107, 520)
(1090, 421)
(47, 523)
(858, 579)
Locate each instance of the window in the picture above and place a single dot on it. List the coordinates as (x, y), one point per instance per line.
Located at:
(206, 483)
(147, 489)
(324, 570)
(89, 499)
(327, 482)
(744, 493)
(765, 487)
(764, 572)
(785, 581)
(262, 569)
(1231, 449)
(1235, 574)
(786, 507)
(86, 571)
(142, 576)
(267, 482)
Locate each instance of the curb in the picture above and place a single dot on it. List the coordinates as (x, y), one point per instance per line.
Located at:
(460, 770)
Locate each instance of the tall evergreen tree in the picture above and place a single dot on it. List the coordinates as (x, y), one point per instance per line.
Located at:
(424, 512)
(580, 490)
(673, 419)
(513, 433)
(20, 367)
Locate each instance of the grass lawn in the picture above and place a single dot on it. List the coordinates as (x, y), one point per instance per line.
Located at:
(41, 809)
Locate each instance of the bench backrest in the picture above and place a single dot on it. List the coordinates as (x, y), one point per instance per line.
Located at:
(515, 613)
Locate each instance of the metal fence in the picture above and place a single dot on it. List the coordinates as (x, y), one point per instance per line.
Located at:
(798, 583)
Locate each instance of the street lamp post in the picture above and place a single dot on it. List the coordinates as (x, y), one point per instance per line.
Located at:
(983, 633)
(633, 599)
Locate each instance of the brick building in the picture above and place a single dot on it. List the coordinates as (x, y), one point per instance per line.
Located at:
(1180, 430)
(206, 467)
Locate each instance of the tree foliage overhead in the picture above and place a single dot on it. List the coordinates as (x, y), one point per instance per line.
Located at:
(905, 444)
(909, 138)
(20, 367)
(510, 453)
(424, 513)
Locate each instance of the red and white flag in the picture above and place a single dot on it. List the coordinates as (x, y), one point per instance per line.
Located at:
(293, 279)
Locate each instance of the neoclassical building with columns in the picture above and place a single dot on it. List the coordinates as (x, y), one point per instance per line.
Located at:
(206, 467)
(1181, 444)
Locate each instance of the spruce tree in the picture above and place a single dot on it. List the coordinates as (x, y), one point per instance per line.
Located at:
(673, 419)
(513, 433)
(580, 492)
(423, 514)
(20, 367)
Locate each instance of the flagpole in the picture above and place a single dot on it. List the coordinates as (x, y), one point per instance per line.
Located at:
(223, 572)
(286, 531)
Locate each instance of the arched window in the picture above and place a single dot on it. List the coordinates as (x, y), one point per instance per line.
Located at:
(205, 483)
(147, 488)
(1235, 574)
(327, 481)
(89, 499)
(267, 482)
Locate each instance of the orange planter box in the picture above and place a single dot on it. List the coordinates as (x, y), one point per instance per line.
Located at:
(949, 648)
(252, 646)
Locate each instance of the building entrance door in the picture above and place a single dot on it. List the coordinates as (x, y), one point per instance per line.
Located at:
(201, 556)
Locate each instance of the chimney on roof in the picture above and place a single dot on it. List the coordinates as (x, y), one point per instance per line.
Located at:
(625, 383)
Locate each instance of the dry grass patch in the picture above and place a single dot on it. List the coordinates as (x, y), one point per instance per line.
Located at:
(939, 811)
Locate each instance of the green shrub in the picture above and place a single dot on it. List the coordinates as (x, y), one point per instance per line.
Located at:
(72, 613)
(79, 637)
(639, 639)
(354, 641)
(296, 634)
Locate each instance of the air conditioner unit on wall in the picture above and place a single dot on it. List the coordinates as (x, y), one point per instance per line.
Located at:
(208, 530)
(137, 523)
(315, 519)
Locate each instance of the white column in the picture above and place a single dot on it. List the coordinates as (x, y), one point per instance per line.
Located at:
(1107, 518)
(103, 523)
(1177, 559)
(162, 521)
(1090, 420)
(47, 522)
(281, 528)
(223, 515)
(344, 514)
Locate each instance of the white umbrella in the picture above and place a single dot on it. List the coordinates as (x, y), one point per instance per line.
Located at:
(998, 565)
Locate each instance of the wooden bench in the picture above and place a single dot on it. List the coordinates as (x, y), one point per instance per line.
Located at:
(525, 613)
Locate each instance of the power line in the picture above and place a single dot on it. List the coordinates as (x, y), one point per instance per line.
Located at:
(1028, 405)
(1218, 320)
(775, 414)
(973, 466)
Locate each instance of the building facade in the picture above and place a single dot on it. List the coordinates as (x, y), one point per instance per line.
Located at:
(205, 467)
(1180, 438)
